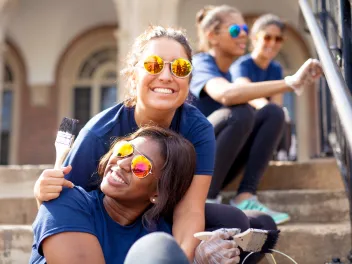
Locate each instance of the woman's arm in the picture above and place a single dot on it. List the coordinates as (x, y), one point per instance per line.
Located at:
(188, 217)
(228, 93)
(256, 103)
(74, 248)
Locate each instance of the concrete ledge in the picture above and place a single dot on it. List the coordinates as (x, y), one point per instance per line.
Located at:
(18, 211)
(306, 243)
(19, 180)
(315, 174)
(309, 243)
(15, 244)
(318, 206)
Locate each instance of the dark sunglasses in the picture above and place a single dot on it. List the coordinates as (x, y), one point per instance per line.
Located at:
(181, 68)
(277, 39)
(141, 166)
(235, 30)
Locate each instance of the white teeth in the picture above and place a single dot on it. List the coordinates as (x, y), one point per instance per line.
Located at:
(163, 90)
(116, 177)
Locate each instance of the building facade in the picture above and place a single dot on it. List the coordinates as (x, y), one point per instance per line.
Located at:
(62, 58)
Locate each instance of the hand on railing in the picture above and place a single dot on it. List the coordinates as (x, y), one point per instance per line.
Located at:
(306, 75)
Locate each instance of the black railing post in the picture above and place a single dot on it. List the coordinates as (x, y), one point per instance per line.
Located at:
(325, 98)
(345, 20)
(336, 117)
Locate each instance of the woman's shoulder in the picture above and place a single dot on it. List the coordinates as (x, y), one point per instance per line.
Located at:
(105, 121)
(243, 60)
(75, 197)
(192, 113)
(202, 57)
(276, 64)
(194, 122)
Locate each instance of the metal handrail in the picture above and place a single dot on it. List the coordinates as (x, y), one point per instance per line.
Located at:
(339, 90)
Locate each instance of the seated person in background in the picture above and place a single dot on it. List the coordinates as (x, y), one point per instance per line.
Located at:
(143, 177)
(246, 138)
(267, 37)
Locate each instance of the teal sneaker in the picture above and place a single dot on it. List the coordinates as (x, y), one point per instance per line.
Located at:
(253, 204)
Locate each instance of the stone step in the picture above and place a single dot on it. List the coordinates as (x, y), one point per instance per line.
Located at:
(15, 244)
(319, 174)
(17, 210)
(18, 180)
(316, 174)
(305, 243)
(304, 206)
(314, 243)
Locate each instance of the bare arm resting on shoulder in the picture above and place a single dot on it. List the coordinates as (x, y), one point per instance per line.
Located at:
(188, 217)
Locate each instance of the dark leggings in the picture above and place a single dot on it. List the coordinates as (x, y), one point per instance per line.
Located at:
(160, 248)
(226, 216)
(246, 138)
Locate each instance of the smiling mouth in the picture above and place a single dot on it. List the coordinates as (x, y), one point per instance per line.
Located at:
(115, 176)
(163, 90)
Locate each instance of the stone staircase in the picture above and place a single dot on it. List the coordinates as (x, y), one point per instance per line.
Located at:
(314, 196)
(312, 193)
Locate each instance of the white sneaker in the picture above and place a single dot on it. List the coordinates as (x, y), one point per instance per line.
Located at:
(217, 200)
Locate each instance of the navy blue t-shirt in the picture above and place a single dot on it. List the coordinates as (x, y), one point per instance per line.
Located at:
(205, 69)
(76, 210)
(246, 67)
(95, 139)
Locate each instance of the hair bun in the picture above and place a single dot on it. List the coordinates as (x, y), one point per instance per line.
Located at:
(203, 12)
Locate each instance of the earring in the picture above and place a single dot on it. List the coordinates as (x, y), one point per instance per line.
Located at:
(153, 200)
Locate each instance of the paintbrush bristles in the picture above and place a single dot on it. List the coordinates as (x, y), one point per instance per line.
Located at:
(68, 125)
(271, 241)
(66, 134)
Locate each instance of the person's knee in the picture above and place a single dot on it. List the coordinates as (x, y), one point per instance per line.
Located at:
(157, 237)
(156, 248)
(260, 220)
(275, 112)
(242, 117)
(225, 216)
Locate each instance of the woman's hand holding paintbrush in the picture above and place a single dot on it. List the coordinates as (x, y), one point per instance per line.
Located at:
(50, 182)
(218, 248)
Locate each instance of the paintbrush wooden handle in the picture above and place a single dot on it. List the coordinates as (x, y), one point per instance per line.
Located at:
(61, 154)
(203, 235)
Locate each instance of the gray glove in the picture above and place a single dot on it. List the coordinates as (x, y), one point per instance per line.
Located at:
(306, 75)
(218, 249)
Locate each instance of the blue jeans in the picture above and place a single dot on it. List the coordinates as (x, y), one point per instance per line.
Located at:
(156, 248)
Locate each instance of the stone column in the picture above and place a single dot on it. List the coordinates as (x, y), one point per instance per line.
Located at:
(134, 16)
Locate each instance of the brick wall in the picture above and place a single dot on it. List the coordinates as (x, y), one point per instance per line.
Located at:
(39, 126)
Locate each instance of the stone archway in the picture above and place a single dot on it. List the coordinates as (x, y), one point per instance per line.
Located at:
(13, 87)
(88, 63)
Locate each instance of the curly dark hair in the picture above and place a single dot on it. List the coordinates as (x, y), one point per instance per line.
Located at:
(176, 174)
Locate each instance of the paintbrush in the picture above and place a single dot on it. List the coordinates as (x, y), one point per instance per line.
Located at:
(64, 140)
(252, 240)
